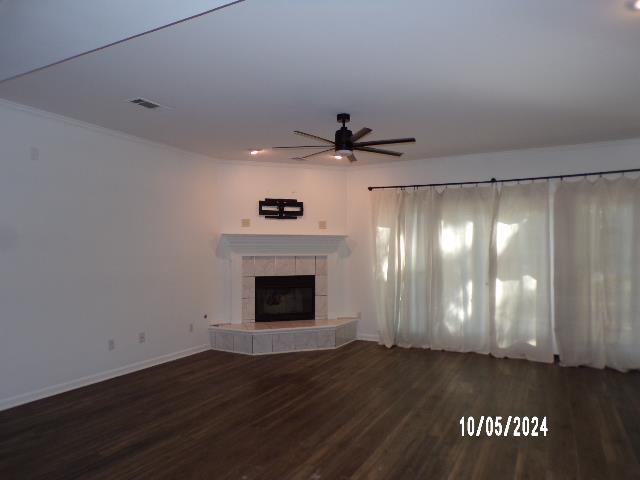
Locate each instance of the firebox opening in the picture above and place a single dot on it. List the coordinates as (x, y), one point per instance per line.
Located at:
(280, 298)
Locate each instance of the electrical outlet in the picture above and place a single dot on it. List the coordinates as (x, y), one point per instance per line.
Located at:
(245, 222)
(322, 225)
(111, 344)
(34, 154)
(191, 327)
(142, 337)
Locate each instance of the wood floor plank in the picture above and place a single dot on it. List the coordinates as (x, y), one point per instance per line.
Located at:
(361, 411)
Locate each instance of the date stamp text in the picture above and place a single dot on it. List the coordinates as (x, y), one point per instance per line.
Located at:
(503, 426)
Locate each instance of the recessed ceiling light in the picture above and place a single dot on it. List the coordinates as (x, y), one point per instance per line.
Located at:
(254, 152)
(339, 157)
(636, 5)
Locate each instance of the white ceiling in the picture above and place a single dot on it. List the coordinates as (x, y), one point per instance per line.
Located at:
(463, 76)
(37, 33)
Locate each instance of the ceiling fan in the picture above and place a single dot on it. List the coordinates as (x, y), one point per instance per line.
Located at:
(346, 142)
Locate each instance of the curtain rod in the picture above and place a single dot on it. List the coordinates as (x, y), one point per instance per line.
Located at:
(506, 180)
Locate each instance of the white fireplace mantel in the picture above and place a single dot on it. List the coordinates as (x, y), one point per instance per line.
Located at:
(233, 246)
(269, 244)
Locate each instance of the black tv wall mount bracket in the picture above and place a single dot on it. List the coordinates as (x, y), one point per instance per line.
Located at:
(280, 208)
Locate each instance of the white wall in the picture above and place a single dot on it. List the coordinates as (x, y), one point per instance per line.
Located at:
(322, 189)
(240, 186)
(104, 236)
(101, 237)
(522, 163)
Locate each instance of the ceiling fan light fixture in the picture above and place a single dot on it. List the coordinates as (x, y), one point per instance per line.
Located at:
(346, 142)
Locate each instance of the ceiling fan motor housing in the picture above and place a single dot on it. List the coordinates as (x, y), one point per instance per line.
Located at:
(344, 145)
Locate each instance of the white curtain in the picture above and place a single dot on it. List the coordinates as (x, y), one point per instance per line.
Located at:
(386, 210)
(464, 270)
(459, 282)
(597, 273)
(520, 276)
(401, 288)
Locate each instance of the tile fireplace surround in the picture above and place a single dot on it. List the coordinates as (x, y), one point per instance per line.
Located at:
(253, 255)
(269, 266)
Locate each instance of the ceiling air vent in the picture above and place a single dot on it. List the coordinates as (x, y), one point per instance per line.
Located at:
(144, 103)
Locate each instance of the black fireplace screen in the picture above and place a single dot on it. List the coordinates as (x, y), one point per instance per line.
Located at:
(285, 298)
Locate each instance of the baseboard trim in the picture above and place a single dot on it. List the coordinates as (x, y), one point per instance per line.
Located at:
(98, 377)
(368, 337)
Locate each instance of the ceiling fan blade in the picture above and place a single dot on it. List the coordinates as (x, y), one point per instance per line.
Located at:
(312, 154)
(301, 146)
(298, 132)
(385, 142)
(352, 158)
(378, 150)
(360, 133)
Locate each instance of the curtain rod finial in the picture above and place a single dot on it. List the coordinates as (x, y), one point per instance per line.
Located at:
(493, 180)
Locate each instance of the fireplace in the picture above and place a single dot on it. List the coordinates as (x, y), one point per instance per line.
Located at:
(290, 297)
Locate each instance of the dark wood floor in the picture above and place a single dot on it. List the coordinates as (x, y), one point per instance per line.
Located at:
(358, 412)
